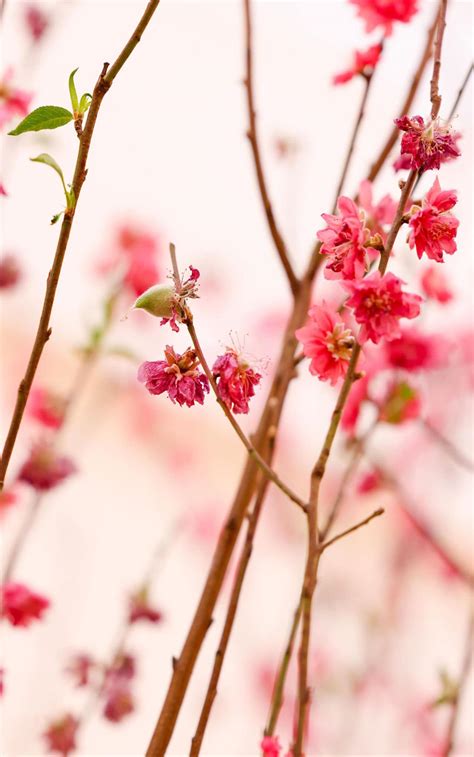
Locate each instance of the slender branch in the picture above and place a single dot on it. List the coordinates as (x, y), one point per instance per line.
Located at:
(252, 135)
(355, 132)
(279, 686)
(460, 686)
(461, 92)
(435, 96)
(379, 162)
(351, 530)
(398, 220)
(21, 537)
(453, 452)
(44, 330)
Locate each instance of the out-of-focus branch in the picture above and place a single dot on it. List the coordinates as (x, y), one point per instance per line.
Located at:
(453, 452)
(461, 91)
(459, 687)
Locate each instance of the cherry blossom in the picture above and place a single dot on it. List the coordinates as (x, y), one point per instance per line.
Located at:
(432, 227)
(328, 341)
(45, 468)
(364, 63)
(235, 379)
(428, 145)
(385, 13)
(46, 407)
(21, 606)
(178, 375)
(344, 241)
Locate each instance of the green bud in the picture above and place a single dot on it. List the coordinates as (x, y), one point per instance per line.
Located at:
(157, 300)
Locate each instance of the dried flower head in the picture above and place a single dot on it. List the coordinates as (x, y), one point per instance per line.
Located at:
(178, 375)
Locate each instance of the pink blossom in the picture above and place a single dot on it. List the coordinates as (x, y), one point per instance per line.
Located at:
(178, 375)
(401, 403)
(61, 735)
(270, 746)
(184, 289)
(13, 101)
(379, 303)
(135, 254)
(364, 63)
(378, 215)
(80, 668)
(123, 669)
(10, 272)
(118, 702)
(369, 482)
(236, 380)
(3, 191)
(435, 286)
(21, 606)
(8, 498)
(46, 407)
(140, 609)
(45, 468)
(432, 227)
(328, 341)
(36, 21)
(385, 13)
(415, 351)
(428, 145)
(402, 163)
(344, 240)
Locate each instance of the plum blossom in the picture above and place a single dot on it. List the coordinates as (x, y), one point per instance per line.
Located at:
(140, 608)
(60, 736)
(415, 351)
(235, 379)
(10, 272)
(364, 63)
(117, 694)
(434, 285)
(379, 303)
(270, 746)
(178, 375)
(344, 240)
(428, 145)
(21, 606)
(36, 21)
(80, 668)
(432, 227)
(328, 341)
(385, 13)
(134, 255)
(46, 407)
(13, 101)
(45, 468)
(378, 215)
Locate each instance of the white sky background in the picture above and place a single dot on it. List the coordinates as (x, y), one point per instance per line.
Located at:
(169, 149)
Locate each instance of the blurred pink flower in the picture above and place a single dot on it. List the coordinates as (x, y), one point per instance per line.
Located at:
(379, 303)
(13, 101)
(236, 380)
(378, 214)
(432, 227)
(21, 606)
(80, 668)
(134, 256)
(10, 272)
(118, 702)
(61, 735)
(270, 746)
(429, 145)
(45, 468)
(178, 375)
(435, 286)
(369, 482)
(415, 351)
(46, 407)
(363, 64)
(328, 341)
(36, 21)
(401, 403)
(8, 498)
(343, 241)
(385, 13)
(3, 191)
(140, 609)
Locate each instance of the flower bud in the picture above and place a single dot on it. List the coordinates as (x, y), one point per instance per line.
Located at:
(157, 300)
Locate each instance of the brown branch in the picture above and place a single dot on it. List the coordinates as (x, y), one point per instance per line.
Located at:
(461, 91)
(351, 530)
(435, 96)
(252, 135)
(21, 537)
(44, 330)
(454, 453)
(379, 162)
(460, 686)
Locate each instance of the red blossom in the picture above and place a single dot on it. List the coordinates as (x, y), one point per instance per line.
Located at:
(379, 303)
(385, 13)
(13, 101)
(363, 64)
(45, 468)
(140, 609)
(135, 254)
(344, 240)
(270, 746)
(328, 341)
(178, 375)
(10, 272)
(369, 482)
(118, 702)
(46, 407)
(236, 380)
(80, 668)
(435, 286)
(415, 351)
(432, 227)
(61, 735)
(21, 606)
(36, 21)
(428, 145)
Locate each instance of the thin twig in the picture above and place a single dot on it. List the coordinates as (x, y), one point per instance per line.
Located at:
(460, 686)
(461, 92)
(252, 135)
(453, 452)
(350, 530)
(435, 96)
(21, 537)
(44, 330)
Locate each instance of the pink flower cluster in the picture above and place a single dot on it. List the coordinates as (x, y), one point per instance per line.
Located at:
(384, 13)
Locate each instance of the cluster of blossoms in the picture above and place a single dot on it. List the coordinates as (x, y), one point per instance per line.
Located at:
(181, 375)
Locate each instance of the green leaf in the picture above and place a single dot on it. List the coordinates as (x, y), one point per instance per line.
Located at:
(46, 117)
(56, 218)
(84, 103)
(49, 161)
(73, 92)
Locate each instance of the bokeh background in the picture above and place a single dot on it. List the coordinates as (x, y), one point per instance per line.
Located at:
(170, 157)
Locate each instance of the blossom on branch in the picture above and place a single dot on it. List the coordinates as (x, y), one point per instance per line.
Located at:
(379, 303)
(140, 609)
(364, 64)
(13, 101)
(270, 746)
(46, 407)
(328, 341)
(178, 375)
(236, 380)
(60, 736)
(10, 272)
(428, 145)
(432, 227)
(435, 286)
(344, 240)
(45, 468)
(385, 13)
(21, 606)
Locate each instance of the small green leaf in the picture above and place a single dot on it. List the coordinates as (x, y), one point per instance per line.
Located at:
(49, 161)
(56, 218)
(84, 103)
(73, 92)
(46, 117)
